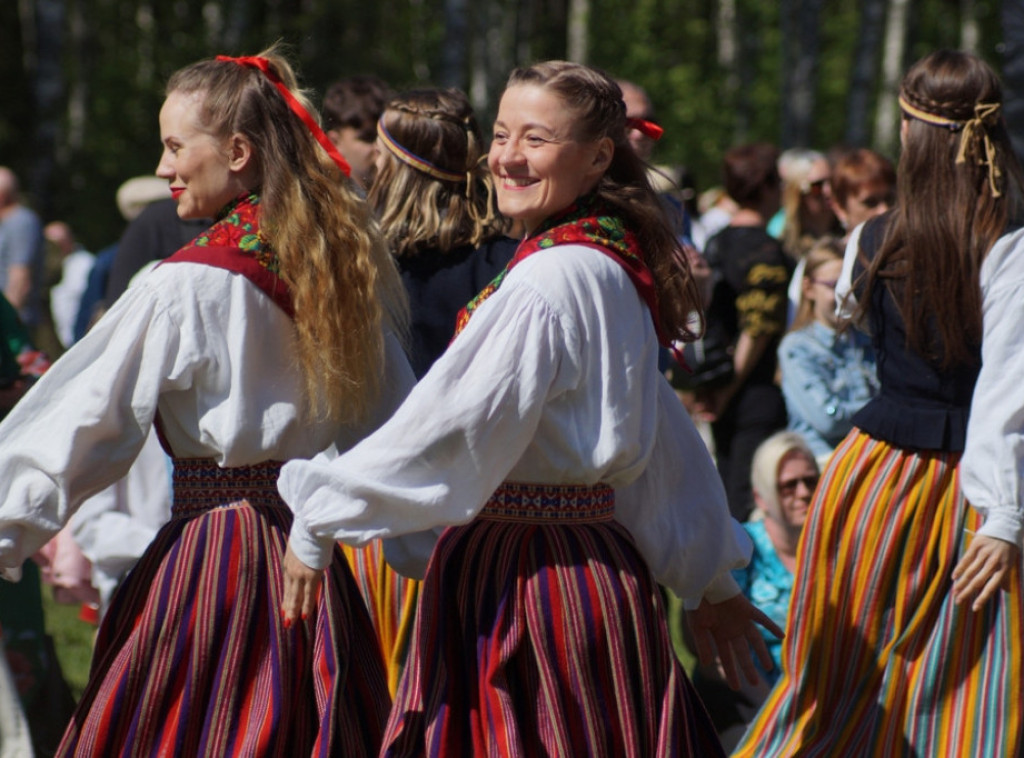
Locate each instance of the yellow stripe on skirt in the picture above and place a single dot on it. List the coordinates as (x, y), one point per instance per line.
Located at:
(391, 599)
(878, 660)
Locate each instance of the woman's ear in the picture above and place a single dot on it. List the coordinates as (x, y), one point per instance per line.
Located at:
(603, 156)
(239, 152)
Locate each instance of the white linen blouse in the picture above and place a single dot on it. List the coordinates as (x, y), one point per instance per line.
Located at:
(992, 466)
(553, 381)
(202, 345)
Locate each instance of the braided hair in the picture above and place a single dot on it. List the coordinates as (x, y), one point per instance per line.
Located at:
(595, 101)
(419, 211)
(948, 212)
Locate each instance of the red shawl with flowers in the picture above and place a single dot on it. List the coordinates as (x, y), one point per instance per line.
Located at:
(586, 222)
(234, 243)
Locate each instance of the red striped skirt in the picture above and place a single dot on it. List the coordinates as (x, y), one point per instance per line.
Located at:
(193, 659)
(878, 660)
(541, 631)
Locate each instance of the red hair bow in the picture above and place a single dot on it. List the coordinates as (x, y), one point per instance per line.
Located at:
(645, 127)
(263, 65)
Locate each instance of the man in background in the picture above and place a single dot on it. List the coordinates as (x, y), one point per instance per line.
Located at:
(350, 110)
(21, 252)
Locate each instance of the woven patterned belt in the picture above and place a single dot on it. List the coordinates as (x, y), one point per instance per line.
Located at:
(200, 485)
(550, 503)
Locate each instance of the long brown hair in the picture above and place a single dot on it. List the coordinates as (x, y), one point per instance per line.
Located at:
(418, 211)
(596, 103)
(947, 215)
(343, 283)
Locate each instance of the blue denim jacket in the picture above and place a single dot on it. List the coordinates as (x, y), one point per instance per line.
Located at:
(826, 378)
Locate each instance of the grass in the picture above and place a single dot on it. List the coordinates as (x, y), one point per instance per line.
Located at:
(72, 638)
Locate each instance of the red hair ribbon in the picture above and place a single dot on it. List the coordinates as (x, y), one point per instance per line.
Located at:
(645, 127)
(297, 108)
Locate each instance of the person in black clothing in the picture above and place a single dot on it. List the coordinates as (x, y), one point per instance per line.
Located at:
(747, 312)
(153, 235)
(433, 197)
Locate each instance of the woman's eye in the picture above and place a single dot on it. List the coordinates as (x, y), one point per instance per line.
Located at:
(533, 139)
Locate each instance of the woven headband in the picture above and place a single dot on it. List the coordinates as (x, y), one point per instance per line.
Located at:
(256, 61)
(983, 113)
(411, 159)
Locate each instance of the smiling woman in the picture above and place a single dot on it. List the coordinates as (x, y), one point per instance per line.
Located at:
(567, 472)
(539, 165)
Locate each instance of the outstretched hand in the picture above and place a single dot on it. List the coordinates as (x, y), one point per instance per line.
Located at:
(985, 567)
(301, 584)
(730, 629)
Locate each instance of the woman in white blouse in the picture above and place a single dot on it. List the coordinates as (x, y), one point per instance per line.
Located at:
(569, 473)
(263, 340)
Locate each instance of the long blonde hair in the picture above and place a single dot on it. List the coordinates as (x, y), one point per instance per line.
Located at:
(343, 284)
(419, 211)
(825, 250)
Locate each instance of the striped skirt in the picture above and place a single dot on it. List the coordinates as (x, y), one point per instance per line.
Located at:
(541, 631)
(391, 600)
(878, 660)
(193, 658)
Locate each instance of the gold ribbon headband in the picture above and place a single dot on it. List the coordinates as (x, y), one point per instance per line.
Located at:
(983, 113)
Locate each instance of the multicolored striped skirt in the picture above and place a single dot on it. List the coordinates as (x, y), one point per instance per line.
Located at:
(391, 601)
(193, 658)
(541, 631)
(878, 660)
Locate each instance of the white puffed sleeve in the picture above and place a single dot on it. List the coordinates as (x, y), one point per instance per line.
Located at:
(992, 467)
(678, 513)
(453, 441)
(83, 423)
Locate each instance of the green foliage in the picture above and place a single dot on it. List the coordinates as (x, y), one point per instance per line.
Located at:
(118, 53)
(72, 639)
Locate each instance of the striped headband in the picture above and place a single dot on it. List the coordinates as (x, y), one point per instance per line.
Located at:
(410, 159)
(261, 63)
(984, 113)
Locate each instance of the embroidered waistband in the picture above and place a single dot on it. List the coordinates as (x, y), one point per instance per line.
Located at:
(200, 485)
(550, 503)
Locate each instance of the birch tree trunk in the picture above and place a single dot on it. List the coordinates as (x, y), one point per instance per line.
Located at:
(970, 30)
(578, 47)
(887, 115)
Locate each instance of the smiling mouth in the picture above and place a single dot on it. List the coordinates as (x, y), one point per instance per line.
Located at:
(514, 182)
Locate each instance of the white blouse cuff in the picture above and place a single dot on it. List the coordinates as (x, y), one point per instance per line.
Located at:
(1004, 524)
(722, 588)
(314, 552)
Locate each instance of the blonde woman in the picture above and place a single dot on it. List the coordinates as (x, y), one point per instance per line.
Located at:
(265, 339)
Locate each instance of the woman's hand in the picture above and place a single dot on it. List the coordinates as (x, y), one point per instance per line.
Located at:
(301, 584)
(730, 629)
(986, 566)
